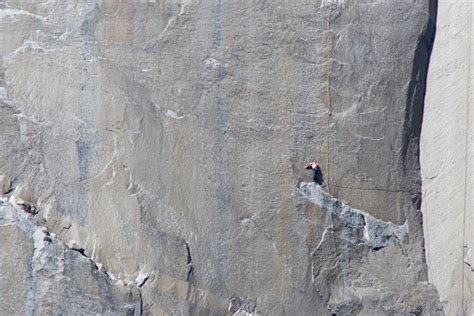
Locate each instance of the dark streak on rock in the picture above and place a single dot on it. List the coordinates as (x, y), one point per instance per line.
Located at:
(189, 260)
(417, 88)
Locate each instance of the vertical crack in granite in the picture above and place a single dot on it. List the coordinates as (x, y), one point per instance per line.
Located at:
(416, 97)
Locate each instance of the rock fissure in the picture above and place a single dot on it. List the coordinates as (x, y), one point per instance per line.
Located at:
(467, 263)
(54, 270)
(242, 306)
(46, 236)
(42, 233)
(189, 262)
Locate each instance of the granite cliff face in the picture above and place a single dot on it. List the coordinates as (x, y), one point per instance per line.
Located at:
(43, 276)
(166, 140)
(447, 159)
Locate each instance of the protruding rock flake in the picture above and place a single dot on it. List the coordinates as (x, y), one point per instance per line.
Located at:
(353, 268)
(332, 3)
(242, 306)
(142, 277)
(55, 271)
(173, 115)
(14, 14)
(376, 233)
(4, 96)
(5, 185)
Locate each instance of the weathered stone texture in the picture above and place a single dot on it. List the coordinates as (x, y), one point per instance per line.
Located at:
(447, 150)
(15, 256)
(166, 139)
(358, 245)
(41, 276)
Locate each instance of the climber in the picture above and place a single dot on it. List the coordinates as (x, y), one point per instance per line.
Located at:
(317, 173)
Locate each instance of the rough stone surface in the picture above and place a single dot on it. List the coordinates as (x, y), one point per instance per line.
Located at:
(358, 245)
(41, 276)
(24, 194)
(447, 149)
(166, 138)
(5, 185)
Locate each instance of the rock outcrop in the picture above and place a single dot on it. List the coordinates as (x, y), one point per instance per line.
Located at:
(358, 245)
(164, 139)
(41, 276)
(447, 150)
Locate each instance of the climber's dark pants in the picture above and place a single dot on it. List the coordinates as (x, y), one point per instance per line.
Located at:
(317, 177)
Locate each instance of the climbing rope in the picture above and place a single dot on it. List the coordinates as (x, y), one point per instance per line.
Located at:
(328, 96)
(427, 249)
(466, 152)
(370, 189)
(328, 102)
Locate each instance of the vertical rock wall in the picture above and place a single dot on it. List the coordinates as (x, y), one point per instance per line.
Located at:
(447, 149)
(167, 139)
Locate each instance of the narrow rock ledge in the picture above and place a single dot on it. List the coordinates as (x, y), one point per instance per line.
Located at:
(377, 233)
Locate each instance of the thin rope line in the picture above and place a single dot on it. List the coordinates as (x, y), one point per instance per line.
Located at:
(466, 152)
(427, 252)
(328, 97)
(329, 106)
(370, 189)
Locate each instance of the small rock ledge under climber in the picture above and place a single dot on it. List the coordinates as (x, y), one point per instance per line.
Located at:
(377, 233)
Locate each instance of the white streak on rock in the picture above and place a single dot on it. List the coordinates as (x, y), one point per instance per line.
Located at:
(111, 161)
(4, 97)
(30, 119)
(28, 45)
(141, 278)
(323, 238)
(326, 3)
(212, 62)
(369, 138)
(14, 13)
(173, 115)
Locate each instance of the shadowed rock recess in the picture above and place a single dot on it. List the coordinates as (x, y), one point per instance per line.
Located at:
(162, 142)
